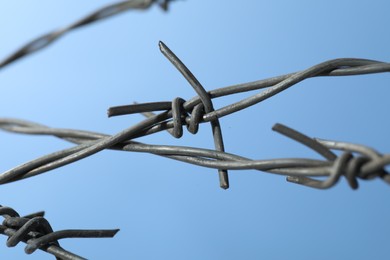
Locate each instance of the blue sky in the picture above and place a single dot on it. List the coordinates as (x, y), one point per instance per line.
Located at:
(170, 210)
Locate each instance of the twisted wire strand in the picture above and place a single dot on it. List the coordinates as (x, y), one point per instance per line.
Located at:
(105, 12)
(37, 233)
(298, 169)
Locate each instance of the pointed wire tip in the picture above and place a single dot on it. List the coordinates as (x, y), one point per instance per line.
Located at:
(224, 182)
(36, 214)
(109, 112)
(115, 231)
(162, 46)
(225, 187)
(277, 126)
(118, 111)
(293, 179)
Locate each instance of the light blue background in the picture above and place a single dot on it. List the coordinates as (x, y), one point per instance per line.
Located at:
(167, 209)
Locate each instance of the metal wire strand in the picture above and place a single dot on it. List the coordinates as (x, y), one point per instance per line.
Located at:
(100, 14)
(37, 233)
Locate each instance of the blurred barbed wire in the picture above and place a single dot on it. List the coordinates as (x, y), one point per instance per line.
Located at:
(37, 233)
(100, 14)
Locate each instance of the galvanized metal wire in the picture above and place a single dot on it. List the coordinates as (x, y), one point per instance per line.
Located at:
(356, 161)
(113, 9)
(37, 233)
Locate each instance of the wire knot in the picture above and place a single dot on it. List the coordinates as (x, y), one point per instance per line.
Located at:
(180, 116)
(37, 233)
(352, 168)
(27, 229)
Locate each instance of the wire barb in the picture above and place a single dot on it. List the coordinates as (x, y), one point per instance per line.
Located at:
(207, 106)
(36, 232)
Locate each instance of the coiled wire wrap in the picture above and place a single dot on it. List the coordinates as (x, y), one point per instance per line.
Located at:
(37, 233)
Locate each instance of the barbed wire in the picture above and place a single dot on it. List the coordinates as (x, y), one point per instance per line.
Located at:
(100, 14)
(356, 161)
(37, 233)
(340, 159)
